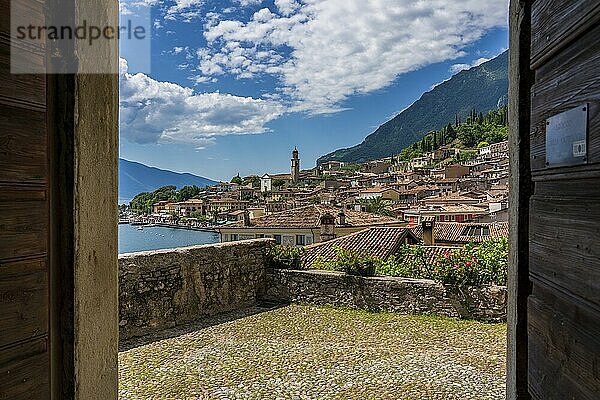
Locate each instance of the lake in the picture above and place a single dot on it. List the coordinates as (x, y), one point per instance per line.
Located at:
(157, 237)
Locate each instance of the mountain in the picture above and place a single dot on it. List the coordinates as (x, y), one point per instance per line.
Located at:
(481, 88)
(135, 178)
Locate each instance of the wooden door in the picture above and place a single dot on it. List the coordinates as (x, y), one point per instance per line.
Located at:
(24, 220)
(563, 309)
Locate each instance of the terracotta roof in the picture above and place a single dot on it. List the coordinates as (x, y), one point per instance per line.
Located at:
(418, 189)
(451, 198)
(380, 242)
(309, 217)
(447, 180)
(377, 189)
(461, 232)
(449, 208)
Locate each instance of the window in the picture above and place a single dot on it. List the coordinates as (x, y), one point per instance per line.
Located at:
(260, 236)
(309, 240)
(234, 237)
(226, 237)
(476, 230)
(277, 239)
(300, 240)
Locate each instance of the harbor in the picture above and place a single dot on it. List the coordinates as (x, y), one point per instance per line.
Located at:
(144, 237)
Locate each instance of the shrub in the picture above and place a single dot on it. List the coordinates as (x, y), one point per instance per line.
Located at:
(348, 261)
(285, 257)
(472, 265)
(410, 263)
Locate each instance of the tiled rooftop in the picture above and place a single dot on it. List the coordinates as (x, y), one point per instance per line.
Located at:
(378, 242)
(457, 232)
(309, 217)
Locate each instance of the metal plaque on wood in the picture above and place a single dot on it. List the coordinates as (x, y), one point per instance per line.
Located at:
(566, 137)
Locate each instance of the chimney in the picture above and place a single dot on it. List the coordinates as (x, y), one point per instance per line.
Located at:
(327, 227)
(428, 224)
(342, 216)
(246, 218)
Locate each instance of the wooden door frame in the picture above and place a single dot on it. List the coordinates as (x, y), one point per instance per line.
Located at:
(83, 191)
(521, 188)
(84, 161)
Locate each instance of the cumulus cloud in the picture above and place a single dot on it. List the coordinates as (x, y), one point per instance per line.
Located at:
(455, 68)
(152, 111)
(323, 51)
(246, 3)
(286, 7)
(185, 10)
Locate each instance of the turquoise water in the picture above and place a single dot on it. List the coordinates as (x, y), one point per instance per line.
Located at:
(157, 237)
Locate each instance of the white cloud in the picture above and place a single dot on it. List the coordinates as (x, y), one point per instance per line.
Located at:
(286, 7)
(246, 3)
(455, 68)
(323, 51)
(152, 111)
(185, 10)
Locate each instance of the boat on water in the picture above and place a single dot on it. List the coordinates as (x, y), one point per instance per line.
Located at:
(140, 228)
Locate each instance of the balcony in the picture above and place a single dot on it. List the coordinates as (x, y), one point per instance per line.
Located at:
(189, 331)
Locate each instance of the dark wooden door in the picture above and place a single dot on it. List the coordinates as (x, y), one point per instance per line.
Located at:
(564, 238)
(24, 220)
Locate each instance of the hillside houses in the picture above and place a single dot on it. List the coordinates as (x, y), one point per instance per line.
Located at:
(469, 191)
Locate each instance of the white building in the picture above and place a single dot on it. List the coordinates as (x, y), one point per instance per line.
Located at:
(266, 183)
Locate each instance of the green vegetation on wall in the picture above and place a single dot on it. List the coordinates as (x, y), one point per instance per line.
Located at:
(143, 202)
(472, 265)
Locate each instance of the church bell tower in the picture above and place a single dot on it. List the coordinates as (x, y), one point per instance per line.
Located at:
(295, 166)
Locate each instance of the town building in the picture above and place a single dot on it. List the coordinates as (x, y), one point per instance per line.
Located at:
(305, 225)
(266, 183)
(384, 193)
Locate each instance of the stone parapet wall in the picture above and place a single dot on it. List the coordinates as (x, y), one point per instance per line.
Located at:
(164, 288)
(409, 296)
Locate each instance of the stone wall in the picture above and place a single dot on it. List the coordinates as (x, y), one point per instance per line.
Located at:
(163, 288)
(410, 296)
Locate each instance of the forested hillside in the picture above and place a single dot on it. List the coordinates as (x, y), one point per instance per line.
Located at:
(482, 88)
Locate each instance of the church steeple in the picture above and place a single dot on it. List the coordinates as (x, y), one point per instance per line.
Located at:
(295, 166)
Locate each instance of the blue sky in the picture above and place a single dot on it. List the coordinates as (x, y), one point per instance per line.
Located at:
(234, 85)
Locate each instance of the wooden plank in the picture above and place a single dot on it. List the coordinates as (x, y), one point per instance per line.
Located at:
(564, 347)
(23, 229)
(568, 80)
(563, 245)
(23, 89)
(12, 192)
(24, 372)
(23, 145)
(557, 23)
(23, 300)
(31, 11)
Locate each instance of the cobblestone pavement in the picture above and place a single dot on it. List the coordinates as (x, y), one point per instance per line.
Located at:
(309, 352)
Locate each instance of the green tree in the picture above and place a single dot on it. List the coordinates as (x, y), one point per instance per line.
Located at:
(237, 179)
(278, 183)
(175, 216)
(378, 206)
(188, 192)
(253, 179)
